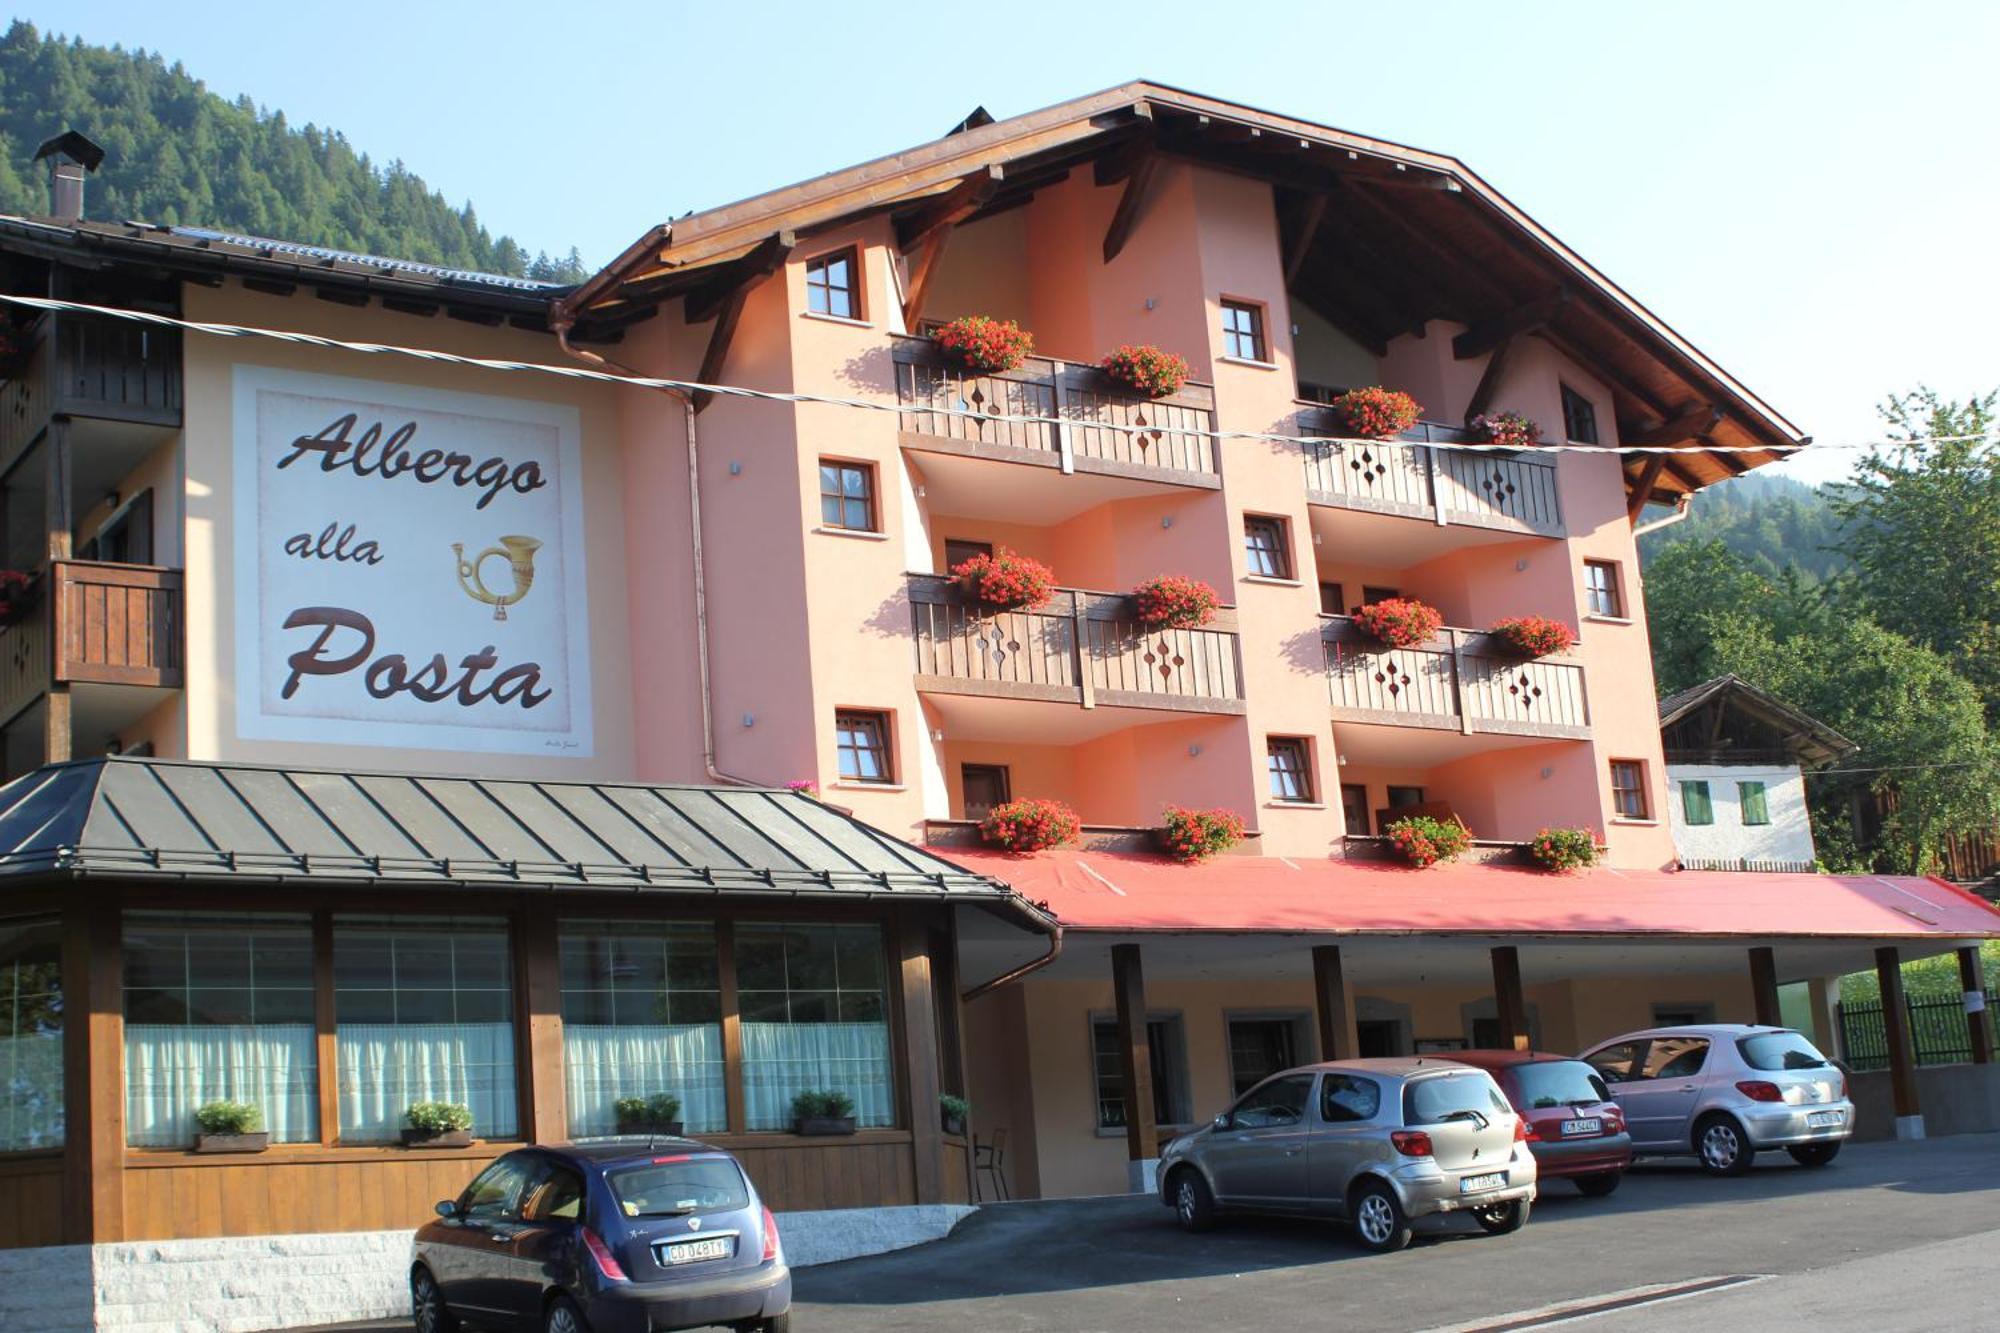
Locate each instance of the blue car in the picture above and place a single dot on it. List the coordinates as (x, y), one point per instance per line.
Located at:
(604, 1238)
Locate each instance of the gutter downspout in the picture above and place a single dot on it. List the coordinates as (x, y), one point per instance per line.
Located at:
(562, 324)
(1681, 511)
(1032, 965)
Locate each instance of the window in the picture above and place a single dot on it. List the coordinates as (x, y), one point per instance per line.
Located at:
(1345, 1098)
(1756, 807)
(1601, 594)
(847, 495)
(1354, 808)
(495, 1193)
(958, 551)
(1267, 553)
(127, 537)
(1402, 798)
(862, 738)
(218, 1007)
(1628, 789)
(1277, 1105)
(31, 1036)
(1544, 1084)
(1696, 808)
(1579, 417)
(642, 1015)
(1674, 1057)
(1371, 595)
(554, 1195)
(1243, 331)
(425, 1010)
(1332, 599)
(984, 786)
(1615, 1063)
(831, 285)
(815, 1015)
(1780, 1050)
(1291, 768)
(1682, 1015)
(1166, 1045)
(1446, 1097)
(1259, 1048)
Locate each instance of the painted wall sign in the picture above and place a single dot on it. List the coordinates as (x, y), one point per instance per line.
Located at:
(409, 567)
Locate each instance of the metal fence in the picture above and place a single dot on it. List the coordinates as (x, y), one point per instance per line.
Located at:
(1938, 1032)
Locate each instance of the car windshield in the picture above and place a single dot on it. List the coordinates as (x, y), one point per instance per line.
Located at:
(671, 1186)
(1780, 1050)
(1559, 1083)
(1468, 1096)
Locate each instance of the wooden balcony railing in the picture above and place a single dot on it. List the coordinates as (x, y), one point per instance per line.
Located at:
(1462, 680)
(24, 659)
(1512, 492)
(956, 411)
(1082, 648)
(88, 366)
(117, 624)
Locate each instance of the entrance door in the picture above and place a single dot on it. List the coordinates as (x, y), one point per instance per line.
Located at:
(985, 786)
(1354, 808)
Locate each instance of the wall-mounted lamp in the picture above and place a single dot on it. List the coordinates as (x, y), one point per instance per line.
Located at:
(1166, 520)
(735, 469)
(1194, 752)
(1152, 303)
(1521, 566)
(1319, 539)
(749, 719)
(1548, 773)
(937, 733)
(921, 492)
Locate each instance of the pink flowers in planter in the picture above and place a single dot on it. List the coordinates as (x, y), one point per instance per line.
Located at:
(1029, 825)
(1400, 622)
(1148, 370)
(1006, 579)
(1376, 413)
(1175, 601)
(1425, 840)
(1534, 636)
(1190, 836)
(986, 345)
(1509, 429)
(1558, 850)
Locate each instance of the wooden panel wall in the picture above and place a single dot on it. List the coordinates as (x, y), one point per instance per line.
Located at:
(31, 1202)
(280, 1193)
(871, 1170)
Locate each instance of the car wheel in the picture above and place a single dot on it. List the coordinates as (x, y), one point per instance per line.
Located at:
(427, 1308)
(1720, 1144)
(564, 1317)
(1502, 1219)
(1814, 1154)
(777, 1323)
(1599, 1185)
(1194, 1204)
(1379, 1219)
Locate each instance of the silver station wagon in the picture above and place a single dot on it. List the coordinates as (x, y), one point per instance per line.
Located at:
(1378, 1142)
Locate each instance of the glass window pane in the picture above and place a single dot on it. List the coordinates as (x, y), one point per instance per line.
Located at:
(31, 1035)
(856, 516)
(822, 1026)
(855, 481)
(656, 1034)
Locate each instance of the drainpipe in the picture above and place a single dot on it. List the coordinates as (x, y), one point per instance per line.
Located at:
(562, 326)
(1681, 511)
(1032, 965)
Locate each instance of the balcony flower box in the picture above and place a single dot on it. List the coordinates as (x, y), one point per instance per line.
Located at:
(17, 596)
(225, 1126)
(1029, 825)
(1376, 413)
(1424, 840)
(658, 1114)
(1510, 430)
(983, 345)
(1534, 636)
(1192, 836)
(953, 1111)
(251, 1142)
(1147, 370)
(823, 1112)
(438, 1125)
(1399, 622)
(1007, 580)
(1175, 601)
(1560, 850)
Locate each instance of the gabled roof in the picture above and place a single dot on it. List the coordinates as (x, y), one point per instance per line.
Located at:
(1812, 741)
(1402, 233)
(127, 818)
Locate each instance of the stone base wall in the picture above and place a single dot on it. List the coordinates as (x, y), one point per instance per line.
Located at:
(1954, 1099)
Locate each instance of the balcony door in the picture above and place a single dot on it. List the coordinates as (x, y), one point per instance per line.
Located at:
(984, 786)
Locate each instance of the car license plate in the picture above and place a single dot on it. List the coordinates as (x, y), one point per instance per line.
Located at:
(1823, 1119)
(1493, 1180)
(1587, 1125)
(696, 1251)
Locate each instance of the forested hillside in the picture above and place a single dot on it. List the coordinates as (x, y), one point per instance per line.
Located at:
(179, 154)
(1772, 522)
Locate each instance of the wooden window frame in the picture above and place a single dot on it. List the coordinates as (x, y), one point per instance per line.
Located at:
(1281, 527)
(1614, 588)
(1259, 334)
(1301, 747)
(1371, 594)
(818, 265)
(1637, 768)
(883, 721)
(872, 497)
(1574, 403)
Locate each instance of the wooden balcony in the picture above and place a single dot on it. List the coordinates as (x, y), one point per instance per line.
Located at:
(113, 625)
(1514, 492)
(1092, 425)
(93, 368)
(1462, 680)
(1083, 648)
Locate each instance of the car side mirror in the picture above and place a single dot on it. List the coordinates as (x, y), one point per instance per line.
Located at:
(447, 1208)
(1221, 1122)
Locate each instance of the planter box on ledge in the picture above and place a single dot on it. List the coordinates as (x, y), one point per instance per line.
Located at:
(258, 1142)
(665, 1129)
(425, 1138)
(823, 1125)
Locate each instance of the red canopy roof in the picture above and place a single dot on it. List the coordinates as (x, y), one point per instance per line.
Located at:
(1124, 892)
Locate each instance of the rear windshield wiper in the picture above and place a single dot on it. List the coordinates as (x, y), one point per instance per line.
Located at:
(1468, 1113)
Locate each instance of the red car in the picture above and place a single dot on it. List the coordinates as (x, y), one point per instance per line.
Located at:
(1574, 1128)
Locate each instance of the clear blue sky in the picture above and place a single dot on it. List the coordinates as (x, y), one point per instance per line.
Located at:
(1806, 190)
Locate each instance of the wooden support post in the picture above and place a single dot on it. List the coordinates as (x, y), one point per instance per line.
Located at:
(1902, 1056)
(920, 1057)
(1978, 1025)
(1336, 1017)
(93, 1073)
(1764, 987)
(325, 1028)
(732, 1029)
(1642, 489)
(543, 1098)
(1135, 1064)
(1509, 1006)
(1489, 379)
(57, 743)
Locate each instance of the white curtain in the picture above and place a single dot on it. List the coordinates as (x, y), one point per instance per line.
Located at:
(386, 1067)
(605, 1063)
(31, 1091)
(781, 1060)
(172, 1069)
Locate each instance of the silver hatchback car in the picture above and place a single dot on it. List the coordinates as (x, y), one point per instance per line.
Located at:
(1378, 1142)
(1725, 1092)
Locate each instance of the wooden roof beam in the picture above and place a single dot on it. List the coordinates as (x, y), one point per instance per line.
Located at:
(1696, 421)
(1641, 490)
(1488, 334)
(947, 210)
(726, 306)
(1489, 379)
(1138, 184)
(1302, 240)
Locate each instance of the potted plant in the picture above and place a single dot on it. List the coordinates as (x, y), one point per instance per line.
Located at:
(1146, 369)
(17, 595)
(953, 1110)
(1006, 579)
(1376, 413)
(1175, 601)
(1509, 429)
(438, 1125)
(230, 1127)
(1195, 835)
(1400, 622)
(821, 1112)
(804, 787)
(657, 1114)
(1534, 636)
(1559, 850)
(1030, 824)
(1425, 840)
(983, 345)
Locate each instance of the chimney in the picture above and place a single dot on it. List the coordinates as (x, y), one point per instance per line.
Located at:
(74, 156)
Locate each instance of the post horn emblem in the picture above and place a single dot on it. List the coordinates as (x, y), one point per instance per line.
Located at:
(518, 552)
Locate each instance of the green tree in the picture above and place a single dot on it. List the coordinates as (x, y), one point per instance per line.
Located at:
(1690, 588)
